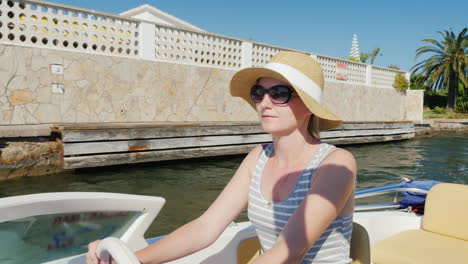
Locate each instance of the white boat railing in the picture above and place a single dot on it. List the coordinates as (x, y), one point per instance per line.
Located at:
(374, 191)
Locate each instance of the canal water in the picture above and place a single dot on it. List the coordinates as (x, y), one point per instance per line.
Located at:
(190, 186)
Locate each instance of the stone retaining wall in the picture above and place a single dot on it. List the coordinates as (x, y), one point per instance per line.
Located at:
(99, 88)
(23, 158)
(40, 86)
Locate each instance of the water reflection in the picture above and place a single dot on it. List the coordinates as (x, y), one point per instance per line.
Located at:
(190, 186)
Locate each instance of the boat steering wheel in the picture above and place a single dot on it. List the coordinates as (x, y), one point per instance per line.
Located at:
(119, 251)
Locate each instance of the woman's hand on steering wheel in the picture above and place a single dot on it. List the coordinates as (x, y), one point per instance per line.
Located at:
(91, 256)
(110, 250)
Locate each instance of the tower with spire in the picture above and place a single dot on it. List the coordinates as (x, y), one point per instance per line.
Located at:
(354, 53)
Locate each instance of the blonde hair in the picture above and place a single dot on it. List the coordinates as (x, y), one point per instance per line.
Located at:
(314, 126)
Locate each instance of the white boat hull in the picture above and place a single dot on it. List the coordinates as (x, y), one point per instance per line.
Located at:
(379, 224)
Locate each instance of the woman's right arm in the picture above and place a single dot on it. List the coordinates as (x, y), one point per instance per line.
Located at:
(203, 231)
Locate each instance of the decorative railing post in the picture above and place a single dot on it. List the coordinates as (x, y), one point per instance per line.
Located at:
(369, 75)
(246, 54)
(147, 41)
(408, 77)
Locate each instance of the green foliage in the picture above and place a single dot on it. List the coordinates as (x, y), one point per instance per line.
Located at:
(370, 55)
(417, 82)
(439, 98)
(449, 115)
(462, 107)
(364, 57)
(393, 66)
(439, 110)
(373, 55)
(446, 65)
(400, 82)
(435, 98)
(353, 59)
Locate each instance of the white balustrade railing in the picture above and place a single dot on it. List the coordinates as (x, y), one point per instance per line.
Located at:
(343, 70)
(55, 26)
(179, 45)
(329, 66)
(50, 25)
(261, 53)
(357, 72)
(382, 77)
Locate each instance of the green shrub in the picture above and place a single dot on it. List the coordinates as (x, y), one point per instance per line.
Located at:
(462, 107)
(439, 110)
(393, 66)
(400, 82)
(434, 98)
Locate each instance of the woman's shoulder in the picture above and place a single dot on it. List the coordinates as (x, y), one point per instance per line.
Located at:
(339, 153)
(341, 157)
(255, 153)
(252, 157)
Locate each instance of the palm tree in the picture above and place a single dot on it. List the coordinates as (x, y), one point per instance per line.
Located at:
(373, 55)
(448, 66)
(370, 55)
(364, 56)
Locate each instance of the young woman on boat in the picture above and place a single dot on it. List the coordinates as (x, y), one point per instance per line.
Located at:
(299, 191)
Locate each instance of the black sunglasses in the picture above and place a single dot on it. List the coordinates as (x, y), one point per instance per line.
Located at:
(279, 94)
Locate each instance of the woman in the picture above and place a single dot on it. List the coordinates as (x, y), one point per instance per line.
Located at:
(299, 191)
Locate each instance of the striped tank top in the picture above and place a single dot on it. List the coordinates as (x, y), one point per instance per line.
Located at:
(269, 217)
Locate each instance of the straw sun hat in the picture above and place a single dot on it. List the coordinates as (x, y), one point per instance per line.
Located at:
(303, 73)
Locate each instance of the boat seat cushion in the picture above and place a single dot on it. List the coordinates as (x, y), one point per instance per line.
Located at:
(248, 250)
(360, 247)
(445, 210)
(419, 246)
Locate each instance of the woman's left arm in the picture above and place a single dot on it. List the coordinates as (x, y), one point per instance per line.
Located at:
(332, 186)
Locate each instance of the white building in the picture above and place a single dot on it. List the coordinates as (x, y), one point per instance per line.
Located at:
(151, 13)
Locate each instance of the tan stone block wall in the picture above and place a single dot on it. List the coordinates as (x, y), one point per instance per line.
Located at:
(414, 105)
(112, 89)
(364, 103)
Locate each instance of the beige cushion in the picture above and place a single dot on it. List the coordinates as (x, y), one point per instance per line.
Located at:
(360, 248)
(418, 247)
(446, 210)
(248, 250)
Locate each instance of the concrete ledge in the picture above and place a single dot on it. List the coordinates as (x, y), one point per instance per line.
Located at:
(446, 124)
(429, 126)
(16, 131)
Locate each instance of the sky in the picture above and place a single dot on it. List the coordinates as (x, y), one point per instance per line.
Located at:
(325, 27)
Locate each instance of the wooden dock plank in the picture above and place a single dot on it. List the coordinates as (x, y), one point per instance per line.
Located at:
(151, 156)
(373, 125)
(177, 154)
(92, 145)
(151, 133)
(102, 132)
(155, 124)
(368, 132)
(368, 139)
(82, 148)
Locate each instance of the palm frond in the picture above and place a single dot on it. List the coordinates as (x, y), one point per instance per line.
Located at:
(434, 42)
(448, 59)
